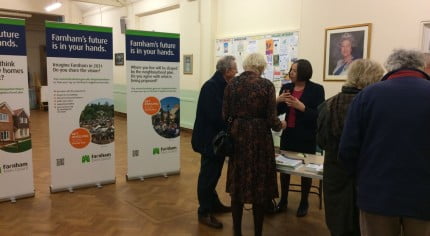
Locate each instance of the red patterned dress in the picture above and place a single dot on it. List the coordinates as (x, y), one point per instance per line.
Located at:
(251, 176)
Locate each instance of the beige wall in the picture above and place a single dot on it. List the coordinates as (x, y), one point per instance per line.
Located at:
(110, 17)
(191, 42)
(189, 27)
(395, 24)
(202, 21)
(166, 21)
(392, 25)
(252, 17)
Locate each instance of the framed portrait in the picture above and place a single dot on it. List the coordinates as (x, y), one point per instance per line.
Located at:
(188, 64)
(425, 44)
(119, 59)
(425, 36)
(343, 45)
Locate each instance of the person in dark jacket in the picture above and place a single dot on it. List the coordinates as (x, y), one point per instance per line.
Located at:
(208, 123)
(299, 100)
(385, 143)
(341, 212)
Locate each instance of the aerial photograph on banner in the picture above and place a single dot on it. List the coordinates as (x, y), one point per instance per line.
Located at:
(166, 120)
(14, 129)
(97, 117)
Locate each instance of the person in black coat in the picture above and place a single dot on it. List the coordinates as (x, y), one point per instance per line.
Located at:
(299, 100)
(208, 123)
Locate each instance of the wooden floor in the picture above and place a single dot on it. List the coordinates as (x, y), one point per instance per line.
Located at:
(156, 206)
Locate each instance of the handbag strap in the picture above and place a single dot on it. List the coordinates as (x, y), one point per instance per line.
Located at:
(231, 118)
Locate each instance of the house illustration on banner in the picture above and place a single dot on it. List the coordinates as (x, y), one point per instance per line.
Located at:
(14, 124)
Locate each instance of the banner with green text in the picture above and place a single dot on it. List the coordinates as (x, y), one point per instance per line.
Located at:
(16, 165)
(81, 112)
(153, 131)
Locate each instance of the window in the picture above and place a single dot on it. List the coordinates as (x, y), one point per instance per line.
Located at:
(4, 135)
(4, 117)
(21, 132)
(23, 120)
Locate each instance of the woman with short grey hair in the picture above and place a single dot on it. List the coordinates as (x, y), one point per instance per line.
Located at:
(251, 177)
(363, 73)
(341, 212)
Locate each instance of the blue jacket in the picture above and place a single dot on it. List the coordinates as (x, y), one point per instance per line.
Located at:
(386, 143)
(209, 119)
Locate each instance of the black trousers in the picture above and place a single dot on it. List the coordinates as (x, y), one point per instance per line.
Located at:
(210, 171)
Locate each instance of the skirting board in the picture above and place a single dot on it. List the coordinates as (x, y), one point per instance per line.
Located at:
(21, 196)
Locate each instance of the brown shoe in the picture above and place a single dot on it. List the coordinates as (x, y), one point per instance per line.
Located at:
(210, 221)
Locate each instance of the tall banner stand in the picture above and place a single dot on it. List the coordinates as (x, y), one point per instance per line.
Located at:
(152, 104)
(16, 165)
(81, 112)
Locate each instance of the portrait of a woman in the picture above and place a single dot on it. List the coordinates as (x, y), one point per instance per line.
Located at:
(346, 44)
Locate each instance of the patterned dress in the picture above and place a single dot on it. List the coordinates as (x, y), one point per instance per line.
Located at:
(251, 175)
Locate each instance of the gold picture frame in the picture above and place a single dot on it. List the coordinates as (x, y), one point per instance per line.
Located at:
(188, 64)
(343, 44)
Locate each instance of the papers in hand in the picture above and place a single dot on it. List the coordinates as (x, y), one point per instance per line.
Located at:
(289, 163)
(314, 168)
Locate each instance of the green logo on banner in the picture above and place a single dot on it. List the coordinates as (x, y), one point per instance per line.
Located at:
(85, 158)
(155, 151)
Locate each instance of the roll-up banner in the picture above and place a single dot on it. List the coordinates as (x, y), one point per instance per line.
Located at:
(152, 104)
(81, 112)
(16, 167)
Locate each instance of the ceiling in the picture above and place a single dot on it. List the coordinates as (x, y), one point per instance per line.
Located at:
(87, 5)
(84, 7)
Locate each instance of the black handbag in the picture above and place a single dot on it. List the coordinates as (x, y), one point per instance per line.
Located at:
(223, 143)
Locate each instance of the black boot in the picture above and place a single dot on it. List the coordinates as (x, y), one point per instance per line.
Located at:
(304, 203)
(237, 211)
(285, 187)
(258, 212)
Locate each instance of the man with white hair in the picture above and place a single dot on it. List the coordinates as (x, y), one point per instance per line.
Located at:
(385, 143)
